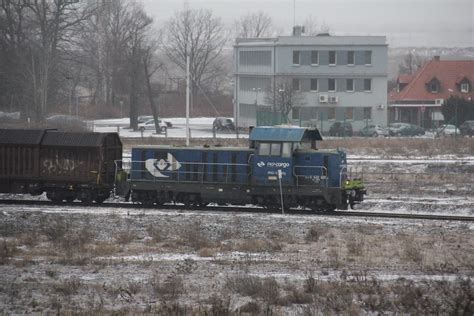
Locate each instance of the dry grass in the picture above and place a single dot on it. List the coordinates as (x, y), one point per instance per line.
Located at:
(193, 236)
(258, 245)
(267, 289)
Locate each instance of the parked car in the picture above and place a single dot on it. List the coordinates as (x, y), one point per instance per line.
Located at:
(405, 129)
(340, 129)
(467, 128)
(146, 118)
(447, 130)
(67, 122)
(223, 123)
(374, 131)
(150, 124)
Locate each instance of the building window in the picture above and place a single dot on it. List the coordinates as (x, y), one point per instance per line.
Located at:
(314, 84)
(295, 113)
(368, 57)
(465, 87)
(350, 85)
(331, 113)
(314, 57)
(296, 84)
(367, 84)
(349, 113)
(296, 57)
(332, 57)
(434, 87)
(331, 85)
(367, 113)
(350, 57)
(255, 58)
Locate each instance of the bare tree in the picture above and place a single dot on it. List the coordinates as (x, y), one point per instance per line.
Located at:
(284, 97)
(411, 63)
(151, 65)
(104, 43)
(199, 35)
(312, 26)
(254, 25)
(52, 22)
(139, 25)
(34, 37)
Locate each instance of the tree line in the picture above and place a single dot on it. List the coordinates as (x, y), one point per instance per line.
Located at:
(51, 51)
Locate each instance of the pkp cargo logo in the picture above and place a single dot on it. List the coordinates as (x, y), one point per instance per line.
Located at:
(283, 165)
(155, 166)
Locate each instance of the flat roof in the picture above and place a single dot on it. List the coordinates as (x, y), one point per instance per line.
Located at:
(313, 40)
(284, 134)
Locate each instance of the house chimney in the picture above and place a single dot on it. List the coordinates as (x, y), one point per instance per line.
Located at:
(298, 30)
(436, 58)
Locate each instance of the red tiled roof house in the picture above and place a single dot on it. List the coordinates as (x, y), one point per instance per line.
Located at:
(417, 98)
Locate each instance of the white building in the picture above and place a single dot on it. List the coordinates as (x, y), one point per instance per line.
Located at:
(341, 78)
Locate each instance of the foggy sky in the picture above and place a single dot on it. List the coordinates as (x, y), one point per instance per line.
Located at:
(404, 22)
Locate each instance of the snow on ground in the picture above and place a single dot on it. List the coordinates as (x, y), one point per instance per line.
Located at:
(201, 127)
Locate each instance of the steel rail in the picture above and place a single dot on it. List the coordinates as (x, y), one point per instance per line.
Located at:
(247, 210)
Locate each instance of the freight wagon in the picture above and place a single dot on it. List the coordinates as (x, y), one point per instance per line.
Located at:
(65, 165)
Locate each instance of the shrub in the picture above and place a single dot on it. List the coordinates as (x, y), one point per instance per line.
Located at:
(155, 233)
(259, 245)
(194, 237)
(267, 289)
(69, 286)
(355, 246)
(54, 229)
(411, 250)
(314, 233)
(7, 250)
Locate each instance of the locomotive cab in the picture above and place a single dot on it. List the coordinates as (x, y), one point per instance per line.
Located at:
(275, 149)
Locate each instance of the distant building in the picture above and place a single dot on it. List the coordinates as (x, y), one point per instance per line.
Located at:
(418, 98)
(341, 78)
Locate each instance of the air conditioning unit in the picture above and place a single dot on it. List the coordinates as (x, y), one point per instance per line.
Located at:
(323, 98)
(380, 107)
(333, 99)
(439, 101)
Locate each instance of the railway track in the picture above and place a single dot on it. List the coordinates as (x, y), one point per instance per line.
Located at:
(247, 210)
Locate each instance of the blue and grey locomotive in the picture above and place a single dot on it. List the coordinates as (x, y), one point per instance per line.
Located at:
(282, 166)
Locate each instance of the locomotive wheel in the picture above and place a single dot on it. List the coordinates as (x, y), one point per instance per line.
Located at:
(100, 199)
(70, 199)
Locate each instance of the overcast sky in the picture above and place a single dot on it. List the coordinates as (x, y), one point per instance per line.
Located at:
(404, 22)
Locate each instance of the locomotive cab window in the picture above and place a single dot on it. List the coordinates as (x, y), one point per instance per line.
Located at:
(276, 149)
(264, 149)
(286, 150)
(270, 149)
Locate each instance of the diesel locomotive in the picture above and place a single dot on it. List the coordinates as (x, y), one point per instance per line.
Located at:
(282, 167)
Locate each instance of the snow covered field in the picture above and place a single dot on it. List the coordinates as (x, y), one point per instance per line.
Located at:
(72, 259)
